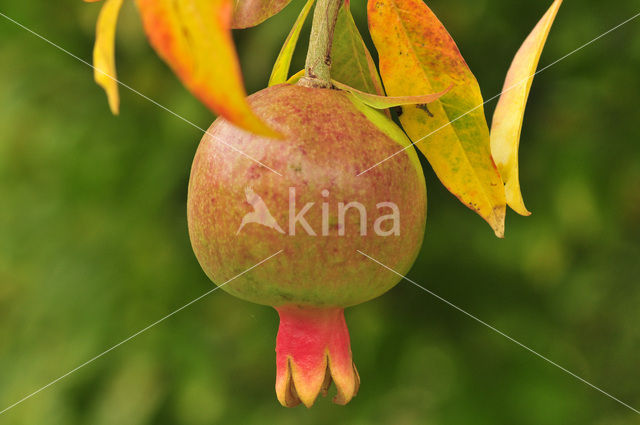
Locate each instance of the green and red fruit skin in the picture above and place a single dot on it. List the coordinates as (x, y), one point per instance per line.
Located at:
(328, 142)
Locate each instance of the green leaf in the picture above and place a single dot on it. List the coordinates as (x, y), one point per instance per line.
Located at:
(351, 62)
(280, 71)
(384, 102)
(392, 130)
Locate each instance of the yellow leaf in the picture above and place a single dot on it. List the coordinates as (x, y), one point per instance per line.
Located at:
(104, 61)
(417, 55)
(295, 77)
(194, 38)
(507, 118)
(280, 70)
(384, 102)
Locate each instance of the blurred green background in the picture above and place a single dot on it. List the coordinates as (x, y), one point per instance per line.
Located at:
(94, 244)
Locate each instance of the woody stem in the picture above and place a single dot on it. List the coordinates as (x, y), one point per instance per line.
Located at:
(318, 63)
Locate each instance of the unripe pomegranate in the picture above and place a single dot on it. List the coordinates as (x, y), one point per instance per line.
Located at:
(318, 213)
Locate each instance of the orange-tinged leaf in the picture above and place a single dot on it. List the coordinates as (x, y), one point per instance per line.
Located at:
(249, 13)
(351, 62)
(280, 71)
(104, 61)
(384, 102)
(417, 55)
(508, 116)
(194, 38)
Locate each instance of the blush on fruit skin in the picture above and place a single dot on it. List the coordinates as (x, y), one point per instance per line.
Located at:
(328, 143)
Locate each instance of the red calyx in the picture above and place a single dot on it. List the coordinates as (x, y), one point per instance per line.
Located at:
(312, 350)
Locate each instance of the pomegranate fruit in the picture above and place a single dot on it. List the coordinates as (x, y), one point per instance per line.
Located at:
(318, 212)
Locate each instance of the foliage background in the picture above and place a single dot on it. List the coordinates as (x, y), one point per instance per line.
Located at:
(94, 246)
